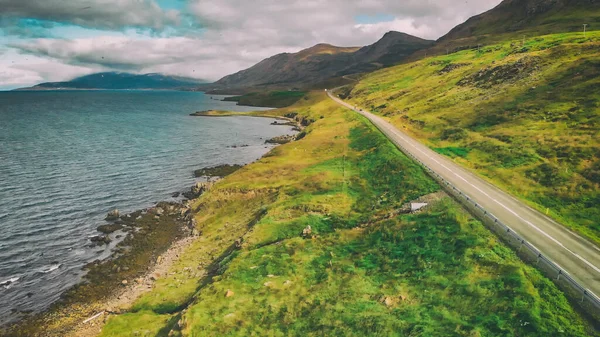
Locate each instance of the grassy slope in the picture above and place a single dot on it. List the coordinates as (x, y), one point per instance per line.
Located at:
(441, 272)
(275, 99)
(525, 117)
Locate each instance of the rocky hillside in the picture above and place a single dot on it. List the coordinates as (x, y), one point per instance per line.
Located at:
(324, 61)
(526, 17)
(118, 80)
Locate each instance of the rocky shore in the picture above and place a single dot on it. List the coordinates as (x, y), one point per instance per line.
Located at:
(148, 242)
(217, 171)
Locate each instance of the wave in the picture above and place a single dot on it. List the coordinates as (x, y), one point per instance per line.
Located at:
(51, 268)
(7, 283)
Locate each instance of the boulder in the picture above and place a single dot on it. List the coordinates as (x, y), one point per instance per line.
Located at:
(110, 228)
(113, 215)
(229, 293)
(100, 239)
(388, 301)
(307, 231)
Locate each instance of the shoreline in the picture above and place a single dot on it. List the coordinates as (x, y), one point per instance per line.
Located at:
(120, 301)
(104, 289)
(147, 234)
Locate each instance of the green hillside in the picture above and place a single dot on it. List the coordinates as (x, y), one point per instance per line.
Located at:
(525, 116)
(362, 270)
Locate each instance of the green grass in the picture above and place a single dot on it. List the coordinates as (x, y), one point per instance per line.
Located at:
(443, 275)
(452, 151)
(143, 324)
(526, 117)
(441, 272)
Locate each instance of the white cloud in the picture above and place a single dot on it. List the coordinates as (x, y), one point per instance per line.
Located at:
(239, 33)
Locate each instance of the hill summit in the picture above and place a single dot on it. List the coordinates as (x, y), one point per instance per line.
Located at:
(324, 61)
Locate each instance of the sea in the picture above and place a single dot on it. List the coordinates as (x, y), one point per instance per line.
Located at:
(69, 157)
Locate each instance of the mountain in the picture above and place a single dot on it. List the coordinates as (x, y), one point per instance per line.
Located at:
(117, 80)
(324, 61)
(534, 17)
(309, 65)
(391, 49)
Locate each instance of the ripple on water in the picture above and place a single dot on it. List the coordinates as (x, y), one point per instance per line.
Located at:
(70, 157)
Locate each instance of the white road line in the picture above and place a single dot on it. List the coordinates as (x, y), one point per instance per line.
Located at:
(391, 129)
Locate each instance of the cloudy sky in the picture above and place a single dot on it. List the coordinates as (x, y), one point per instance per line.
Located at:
(55, 40)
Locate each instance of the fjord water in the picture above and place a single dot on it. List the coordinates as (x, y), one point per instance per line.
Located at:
(67, 158)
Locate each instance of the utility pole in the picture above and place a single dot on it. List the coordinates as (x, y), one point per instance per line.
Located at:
(584, 27)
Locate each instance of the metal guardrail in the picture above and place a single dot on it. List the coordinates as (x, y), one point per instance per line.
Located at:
(588, 301)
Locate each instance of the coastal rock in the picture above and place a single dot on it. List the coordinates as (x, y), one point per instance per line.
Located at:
(100, 239)
(176, 194)
(113, 215)
(217, 171)
(110, 228)
(197, 190)
(280, 140)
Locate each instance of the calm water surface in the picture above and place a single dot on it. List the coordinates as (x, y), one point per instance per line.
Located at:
(67, 158)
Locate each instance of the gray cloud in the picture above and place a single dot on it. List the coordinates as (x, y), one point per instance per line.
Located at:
(102, 14)
(183, 56)
(236, 33)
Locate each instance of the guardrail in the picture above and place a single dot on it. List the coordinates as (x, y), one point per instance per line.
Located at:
(588, 301)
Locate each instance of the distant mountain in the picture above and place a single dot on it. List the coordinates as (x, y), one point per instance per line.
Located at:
(529, 16)
(117, 80)
(324, 61)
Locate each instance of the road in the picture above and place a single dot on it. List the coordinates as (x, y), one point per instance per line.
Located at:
(577, 256)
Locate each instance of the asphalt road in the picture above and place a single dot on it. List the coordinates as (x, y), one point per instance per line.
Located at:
(577, 256)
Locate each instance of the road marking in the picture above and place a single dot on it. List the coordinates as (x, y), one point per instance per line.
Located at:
(391, 129)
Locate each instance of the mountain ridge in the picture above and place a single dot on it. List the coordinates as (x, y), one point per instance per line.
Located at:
(324, 61)
(118, 81)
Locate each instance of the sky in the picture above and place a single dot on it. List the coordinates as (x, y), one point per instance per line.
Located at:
(57, 40)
